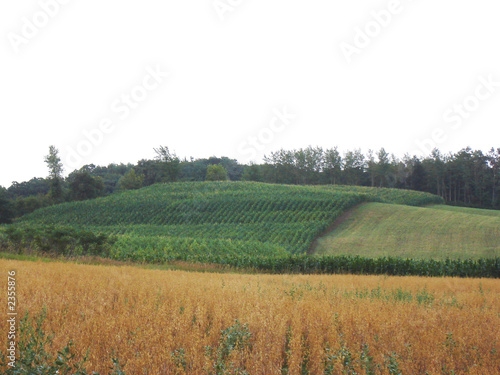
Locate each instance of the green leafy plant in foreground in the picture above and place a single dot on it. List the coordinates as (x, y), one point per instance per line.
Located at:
(34, 359)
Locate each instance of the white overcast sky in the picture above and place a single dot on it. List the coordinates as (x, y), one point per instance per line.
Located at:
(66, 67)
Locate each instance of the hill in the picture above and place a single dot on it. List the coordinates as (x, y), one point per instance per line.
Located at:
(216, 220)
(436, 232)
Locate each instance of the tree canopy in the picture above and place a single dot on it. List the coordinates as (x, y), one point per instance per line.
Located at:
(216, 172)
(55, 166)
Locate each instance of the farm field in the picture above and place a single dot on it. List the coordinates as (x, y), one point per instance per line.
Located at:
(435, 232)
(175, 322)
(191, 220)
(270, 228)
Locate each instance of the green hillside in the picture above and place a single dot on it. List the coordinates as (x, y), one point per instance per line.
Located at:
(437, 232)
(196, 220)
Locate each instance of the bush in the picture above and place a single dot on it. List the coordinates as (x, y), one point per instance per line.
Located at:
(51, 239)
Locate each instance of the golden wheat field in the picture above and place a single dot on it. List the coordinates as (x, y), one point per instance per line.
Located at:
(176, 322)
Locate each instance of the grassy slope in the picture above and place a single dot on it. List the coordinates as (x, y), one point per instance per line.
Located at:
(375, 229)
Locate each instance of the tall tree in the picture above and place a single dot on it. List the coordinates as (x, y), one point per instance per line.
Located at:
(130, 181)
(55, 166)
(354, 167)
(150, 171)
(84, 186)
(418, 179)
(494, 164)
(383, 168)
(401, 171)
(6, 207)
(284, 170)
(371, 167)
(332, 165)
(216, 172)
(252, 173)
(436, 168)
(169, 164)
(314, 163)
(35, 186)
(109, 174)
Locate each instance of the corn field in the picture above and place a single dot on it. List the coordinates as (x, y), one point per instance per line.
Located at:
(215, 221)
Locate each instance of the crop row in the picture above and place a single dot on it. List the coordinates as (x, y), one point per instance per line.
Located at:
(264, 256)
(246, 216)
(385, 195)
(307, 264)
(197, 203)
(296, 237)
(197, 212)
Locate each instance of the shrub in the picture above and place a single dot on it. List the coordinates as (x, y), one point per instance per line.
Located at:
(51, 239)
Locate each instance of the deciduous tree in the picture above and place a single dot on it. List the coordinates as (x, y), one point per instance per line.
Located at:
(216, 172)
(55, 166)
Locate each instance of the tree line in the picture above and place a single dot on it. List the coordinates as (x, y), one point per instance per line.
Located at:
(467, 177)
(91, 181)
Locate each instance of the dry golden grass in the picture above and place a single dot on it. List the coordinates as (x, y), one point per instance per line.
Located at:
(433, 325)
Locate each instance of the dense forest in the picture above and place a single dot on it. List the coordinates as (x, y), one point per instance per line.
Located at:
(468, 177)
